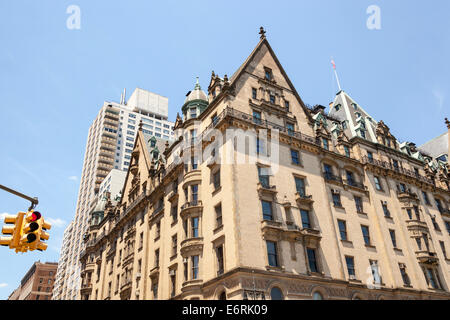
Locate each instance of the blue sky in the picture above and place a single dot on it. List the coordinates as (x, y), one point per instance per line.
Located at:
(53, 80)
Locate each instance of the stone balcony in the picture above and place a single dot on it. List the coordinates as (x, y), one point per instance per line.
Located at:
(86, 288)
(266, 188)
(406, 196)
(191, 207)
(426, 257)
(331, 178)
(312, 237)
(154, 273)
(173, 195)
(190, 245)
(302, 198)
(417, 226)
(192, 285)
(191, 177)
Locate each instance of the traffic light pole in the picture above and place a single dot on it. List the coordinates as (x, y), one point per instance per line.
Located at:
(34, 201)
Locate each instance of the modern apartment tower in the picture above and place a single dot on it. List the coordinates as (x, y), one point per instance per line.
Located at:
(109, 145)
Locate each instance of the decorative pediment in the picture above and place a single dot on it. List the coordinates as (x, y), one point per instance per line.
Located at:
(384, 135)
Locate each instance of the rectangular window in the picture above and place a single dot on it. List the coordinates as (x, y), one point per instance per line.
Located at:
(194, 193)
(173, 282)
(267, 210)
(350, 266)
(343, 229)
(272, 98)
(312, 260)
(370, 156)
(405, 277)
(306, 223)
(194, 260)
(447, 226)
(174, 213)
(254, 93)
(359, 204)
(286, 105)
(337, 200)
(216, 180)
(325, 143)
(263, 175)
(290, 128)
(377, 183)
(409, 212)
(218, 210)
(328, 170)
(300, 186)
(375, 271)
(386, 211)
(157, 258)
(257, 117)
(272, 253)
(174, 245)
(268, 74)
(220, 264)
(393, 238)
(295, 157)
(425, 198)
(195, 233)
(444, 252)
(347, 151)
(366, 235)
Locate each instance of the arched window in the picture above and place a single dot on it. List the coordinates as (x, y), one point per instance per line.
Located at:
(317, 296)
(223, 296)
(276, 294)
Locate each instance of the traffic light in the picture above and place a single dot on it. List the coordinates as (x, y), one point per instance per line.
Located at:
(14, 232)
(34, 231)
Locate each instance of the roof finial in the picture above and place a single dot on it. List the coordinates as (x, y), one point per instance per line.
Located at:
(447, 123)
(140, 125)
(262, 32)
(197, 85)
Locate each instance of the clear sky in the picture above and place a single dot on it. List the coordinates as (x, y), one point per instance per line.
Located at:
(53, 80)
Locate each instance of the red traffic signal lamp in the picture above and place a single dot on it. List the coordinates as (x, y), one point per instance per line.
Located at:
(34, 232)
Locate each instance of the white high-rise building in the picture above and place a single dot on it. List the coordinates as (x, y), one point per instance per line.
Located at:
(109, 146)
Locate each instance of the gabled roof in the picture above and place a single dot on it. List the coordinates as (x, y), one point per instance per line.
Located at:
(436, 147)
(263, 41)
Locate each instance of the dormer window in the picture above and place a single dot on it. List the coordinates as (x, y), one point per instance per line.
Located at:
(193, 113)
(272, 99)
(213, 93)
(268, 74)
(347, 151)
(363, 134)
(286, 105)
(325, 144)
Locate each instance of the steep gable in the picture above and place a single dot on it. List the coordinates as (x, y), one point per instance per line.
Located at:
(252, 73)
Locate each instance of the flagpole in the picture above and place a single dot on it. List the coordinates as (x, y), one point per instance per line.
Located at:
(335, 73)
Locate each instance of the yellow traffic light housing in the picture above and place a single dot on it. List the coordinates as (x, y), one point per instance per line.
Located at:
(14, 232)
(34, 231)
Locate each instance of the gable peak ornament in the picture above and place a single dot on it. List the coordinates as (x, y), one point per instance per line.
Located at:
(262, 32)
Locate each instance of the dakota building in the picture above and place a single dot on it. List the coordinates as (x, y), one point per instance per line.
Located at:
(347, 212)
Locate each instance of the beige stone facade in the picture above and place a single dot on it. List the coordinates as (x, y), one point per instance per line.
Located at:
(337, 217)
